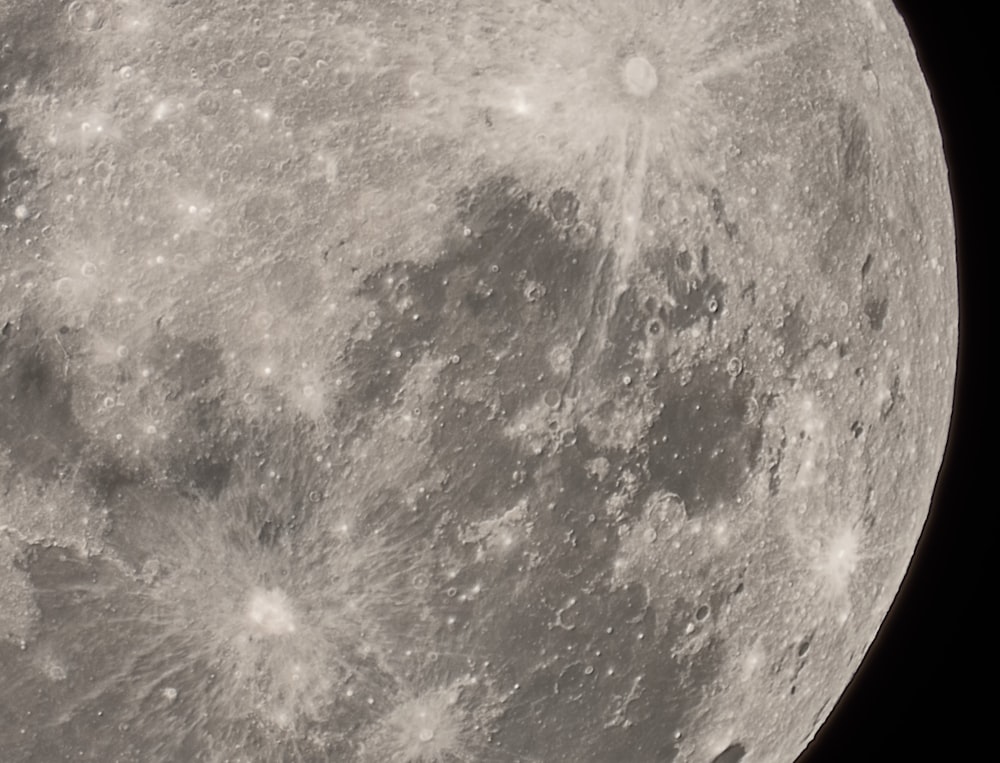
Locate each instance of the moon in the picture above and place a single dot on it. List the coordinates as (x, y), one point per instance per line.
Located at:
(394, 381)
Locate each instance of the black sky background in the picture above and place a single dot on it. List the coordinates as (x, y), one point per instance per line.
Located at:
(924, 691)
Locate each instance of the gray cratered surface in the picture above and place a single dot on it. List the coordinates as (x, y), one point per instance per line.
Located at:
(514, 382)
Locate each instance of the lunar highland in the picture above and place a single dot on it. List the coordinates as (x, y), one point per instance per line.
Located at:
(513, 381)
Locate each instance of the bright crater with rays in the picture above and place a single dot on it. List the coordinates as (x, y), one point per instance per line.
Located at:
(270, 612)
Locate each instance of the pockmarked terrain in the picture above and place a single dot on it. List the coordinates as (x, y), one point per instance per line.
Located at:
(397, 382)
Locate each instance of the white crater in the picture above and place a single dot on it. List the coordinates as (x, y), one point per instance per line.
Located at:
(640, 77)
(271, 612)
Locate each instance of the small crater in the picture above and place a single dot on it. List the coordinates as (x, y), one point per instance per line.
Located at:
(208, 103)
(88, 15)
(429, 726)
(552, 398)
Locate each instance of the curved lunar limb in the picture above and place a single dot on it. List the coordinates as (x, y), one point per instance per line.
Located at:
(530, 381)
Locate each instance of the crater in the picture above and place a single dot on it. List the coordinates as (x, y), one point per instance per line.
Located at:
(640, 77)
(270, 612)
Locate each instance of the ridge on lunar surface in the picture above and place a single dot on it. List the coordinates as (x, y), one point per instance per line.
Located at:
(541, 382)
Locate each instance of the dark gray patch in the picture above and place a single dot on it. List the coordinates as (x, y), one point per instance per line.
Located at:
(184, 365)
(696, 293)
(866, 266)
(205, 474)
(732, 754)
(896, 396)
(876, 309)
(564, 206)
(107, 476)
(37, 423)
(855, 144)
(793, 333)
(643, 703)
(13, 169)
(718, 209)
(684, 260)
(27, 57)
(773, 461)
(717, 206)
(701, 446)
(509, 287)
(843, 239)
(269, 533)
(697, 299)
(198, 458)
(484, 464)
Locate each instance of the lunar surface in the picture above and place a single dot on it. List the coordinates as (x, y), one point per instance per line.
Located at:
(422, 382)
